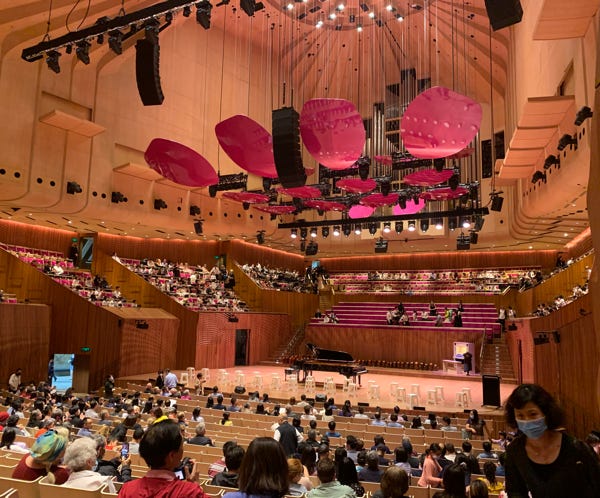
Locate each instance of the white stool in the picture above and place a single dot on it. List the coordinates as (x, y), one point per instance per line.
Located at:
(240, 379)
(352, 390)
(291, 382)
(431, 397)
(468, 399)
(309, 384)
(415, 389)
(191, 372)
(412, 401)
(275, 382)
(206, 374)
(184, 378)
(374, 391)
(329, 386)
(394, 390)
(257, 381)
(401, 395)
(345, 384)
(223, 378)
(459, 399)
(439, 393)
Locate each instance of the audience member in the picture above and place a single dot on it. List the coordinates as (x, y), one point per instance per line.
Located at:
(80, 459)
(44, 457)
(394, 483)
(228, 477)
(329, 487)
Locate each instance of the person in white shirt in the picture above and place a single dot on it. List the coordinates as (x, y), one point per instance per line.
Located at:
(80, 458)
(14, 381)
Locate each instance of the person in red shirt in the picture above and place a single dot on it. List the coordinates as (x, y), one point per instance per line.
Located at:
(162, 450)
(43, 458)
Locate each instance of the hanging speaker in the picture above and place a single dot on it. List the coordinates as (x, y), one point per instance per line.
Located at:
(497, 202)
(503, 13)
(286, 147)
(147, 75)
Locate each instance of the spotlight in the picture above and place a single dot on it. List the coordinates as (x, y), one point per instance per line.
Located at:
(313, 232)
(336, 231)
(454, 181)
(373, 228)
(357, 229)
(260, 237)
(439, 224)
(115, 41)
(187, 11)
(52, 60)
(402, 202)
(83, 51)
(73, 188)
(347, 230)
(294, 233)
(478, 225)
(565, 140)
(203, 10)
(100, 39)
(424, 225)
(438, 164)
(582, 114)
(194, 210)
(325, 232)
(251, 6)
(387, 227)
(198, 227)
(537, 176)
(117, 197)
(452, 223)
(385, 188)
(416, 199)
(364, 163)
(159, 204)
(245, 206)
(412, 226)
(465, 222)
(303, 245)
(303, 233)
(399, 226)
(551, 160)
(266, 184)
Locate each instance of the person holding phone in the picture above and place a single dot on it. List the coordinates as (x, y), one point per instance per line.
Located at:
(161, 448)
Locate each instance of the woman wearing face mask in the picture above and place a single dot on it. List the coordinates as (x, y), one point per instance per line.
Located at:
(543, 460)
(431, 467)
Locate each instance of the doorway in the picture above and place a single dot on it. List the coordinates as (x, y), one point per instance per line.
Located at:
(241, 347)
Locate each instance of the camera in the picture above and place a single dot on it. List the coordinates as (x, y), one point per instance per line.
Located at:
(185, 463)
(125, 451)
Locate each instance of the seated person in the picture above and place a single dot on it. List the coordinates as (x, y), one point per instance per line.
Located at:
(43, 458)
(394, 483)
(404, 320)
(200, 439)
(228, 477)
(332, 432)
(162, 450)
(80, 459)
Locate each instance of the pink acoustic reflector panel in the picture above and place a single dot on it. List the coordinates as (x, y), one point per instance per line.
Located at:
(323, 205)
(332, 131)
(248, 145)
(377, 199)
(439, 123)
(356, 185)
(179, 163)
(305, 192)
(444, 193)
(428, 177)
(358, 211)
(249, 197)
(411, 207)
(276, 209)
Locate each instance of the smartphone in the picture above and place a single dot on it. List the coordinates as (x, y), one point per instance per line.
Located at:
(125, 451)
(179, 473)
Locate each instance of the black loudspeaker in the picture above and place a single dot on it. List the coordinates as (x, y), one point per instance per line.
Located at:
(147, 72)
(419, 408)
(491, 390)
(497, 202)
(312, 248)
(503, 13)
(286, 147)
(239, 389)
(320, 398)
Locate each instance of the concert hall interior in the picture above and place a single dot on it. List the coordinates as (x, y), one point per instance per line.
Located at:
(219, 185)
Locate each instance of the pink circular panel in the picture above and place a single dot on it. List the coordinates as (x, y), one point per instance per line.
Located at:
(359, 211)
(387, 160)
(248, 145)
(356, 185)
(411, 207)
(439, 123)
(332, 131)
(428, 177)
(322, 205)
(305, 192)
(444, 193)
(466, 152)
(249, 197)
(276, 209)
(377, 199)
(179, 163)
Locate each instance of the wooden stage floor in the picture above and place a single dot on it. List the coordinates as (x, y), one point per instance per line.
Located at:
(451, 382)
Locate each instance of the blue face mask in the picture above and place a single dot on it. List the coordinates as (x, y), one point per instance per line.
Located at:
(533, 429)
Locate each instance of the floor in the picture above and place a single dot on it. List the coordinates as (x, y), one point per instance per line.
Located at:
(450, 382)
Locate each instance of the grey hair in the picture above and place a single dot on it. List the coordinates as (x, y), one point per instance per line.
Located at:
(99, 440)
(200, 428)
(80, 453)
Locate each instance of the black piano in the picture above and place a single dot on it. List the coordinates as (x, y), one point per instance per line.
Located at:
(329, 360)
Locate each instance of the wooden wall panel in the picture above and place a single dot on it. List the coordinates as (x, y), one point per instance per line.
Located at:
(522, 338)
(51, 239)
(25, 332)
(244, 252)
(443, 260)
(431, 346)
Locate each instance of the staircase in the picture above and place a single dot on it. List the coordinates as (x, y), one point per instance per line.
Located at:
(497, 361)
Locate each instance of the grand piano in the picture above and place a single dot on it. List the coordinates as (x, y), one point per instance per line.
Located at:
(329, 360)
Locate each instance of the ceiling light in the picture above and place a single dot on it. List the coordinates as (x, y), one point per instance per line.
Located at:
(412, 226)
(402, 202)
(74, 188)
(372, 15)
(399, 226)
(551, 160)
(341, 7)
(359, 29)
(319, 24)
(565, 140)
(83, 51)
(303, 233)
(373, 227)
(424, 225)
(537, 176)
(389, 8)
(194, 210)
(294, 233)
(399, 18)
(313, 232)
(582, 114)
(203, 12)
(325, 232)
(332, 16)
(357, 229)
(290, 6)
(387, 227)
(347, 230)
(116, 197)
(260, 237)
(452, 223)
(159, 204)
(439, 224)
(465, 222)
(251, 6)
(336, 231)
(115, 41)
(52, 60)
(187, 11)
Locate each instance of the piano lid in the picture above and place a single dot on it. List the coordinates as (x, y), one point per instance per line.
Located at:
(329, 354)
